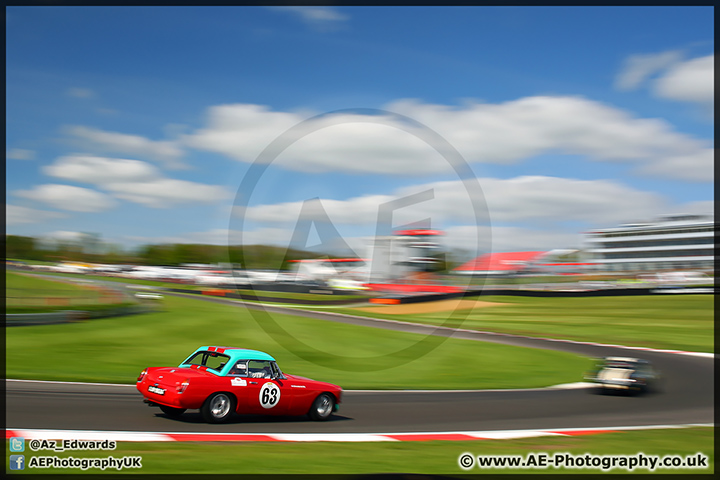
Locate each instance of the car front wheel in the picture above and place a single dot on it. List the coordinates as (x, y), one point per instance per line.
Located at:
(322, 407)
(172, 411)
(218, 407)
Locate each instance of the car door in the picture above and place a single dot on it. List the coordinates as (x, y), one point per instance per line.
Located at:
(237, 384)
(267, 395)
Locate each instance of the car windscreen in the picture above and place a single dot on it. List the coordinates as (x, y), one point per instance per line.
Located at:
(276, 371)
(620, 365)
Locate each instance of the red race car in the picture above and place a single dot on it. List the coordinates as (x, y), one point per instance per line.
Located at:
(223, 380)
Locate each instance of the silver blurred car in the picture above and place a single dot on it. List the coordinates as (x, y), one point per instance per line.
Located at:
(631, 375)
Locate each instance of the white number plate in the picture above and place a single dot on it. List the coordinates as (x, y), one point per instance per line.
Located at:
(154, 389)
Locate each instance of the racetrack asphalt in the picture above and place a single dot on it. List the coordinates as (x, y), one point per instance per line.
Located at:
(686, 398)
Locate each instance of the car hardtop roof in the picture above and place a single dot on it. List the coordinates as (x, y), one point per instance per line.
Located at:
(238, 353)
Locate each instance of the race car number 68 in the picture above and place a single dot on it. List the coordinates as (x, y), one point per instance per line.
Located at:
(269, 395)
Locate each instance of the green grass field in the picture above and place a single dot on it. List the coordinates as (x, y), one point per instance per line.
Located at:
(330, 350)
(682, 322)
(259, 292)
(31, 286)
(116, 350)
(428, 458)
(31, 294)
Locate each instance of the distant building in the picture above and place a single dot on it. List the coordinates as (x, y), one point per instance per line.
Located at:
(420, 250)
(673, 242)
(411, 255)
(405, 254)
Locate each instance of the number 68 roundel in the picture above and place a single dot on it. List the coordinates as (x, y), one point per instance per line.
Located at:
(269, 395)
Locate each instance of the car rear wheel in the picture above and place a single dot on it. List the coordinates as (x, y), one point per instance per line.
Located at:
(218, 407)
(322, 407)
(172, 411)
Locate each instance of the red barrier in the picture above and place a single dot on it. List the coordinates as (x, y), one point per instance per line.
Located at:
(407, 288)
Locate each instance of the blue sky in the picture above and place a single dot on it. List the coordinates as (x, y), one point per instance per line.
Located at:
(140, 123)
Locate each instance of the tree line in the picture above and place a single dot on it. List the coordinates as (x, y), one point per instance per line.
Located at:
(171, 254)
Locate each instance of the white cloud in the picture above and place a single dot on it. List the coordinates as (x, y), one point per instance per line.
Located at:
(697, 167)
(241, 131)
(533, 199)
(519, 129)
(223, 236)
(526, 213)
(483, 133)
(55, 239)
(349, 142)
(134, 181)
(359, 210)
(20, 154)
(167, 192)
(690, 81)
(16, 215)
(698, 208)
(68, 197)
(551, 199)
(515, 238)
(319, 18)
(165, 151)
(670, 76)
(80, 92)
(638, 68)
(508, 239)
(100, 170)
(64, 236)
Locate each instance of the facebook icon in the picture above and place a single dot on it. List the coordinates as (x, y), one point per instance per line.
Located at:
(17, 462)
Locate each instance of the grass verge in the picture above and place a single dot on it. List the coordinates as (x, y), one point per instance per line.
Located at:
(92, 308)
(259, 291)
(115, 350)
(29, 293)
(18, 285)
(682, 322)
(429, 458)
